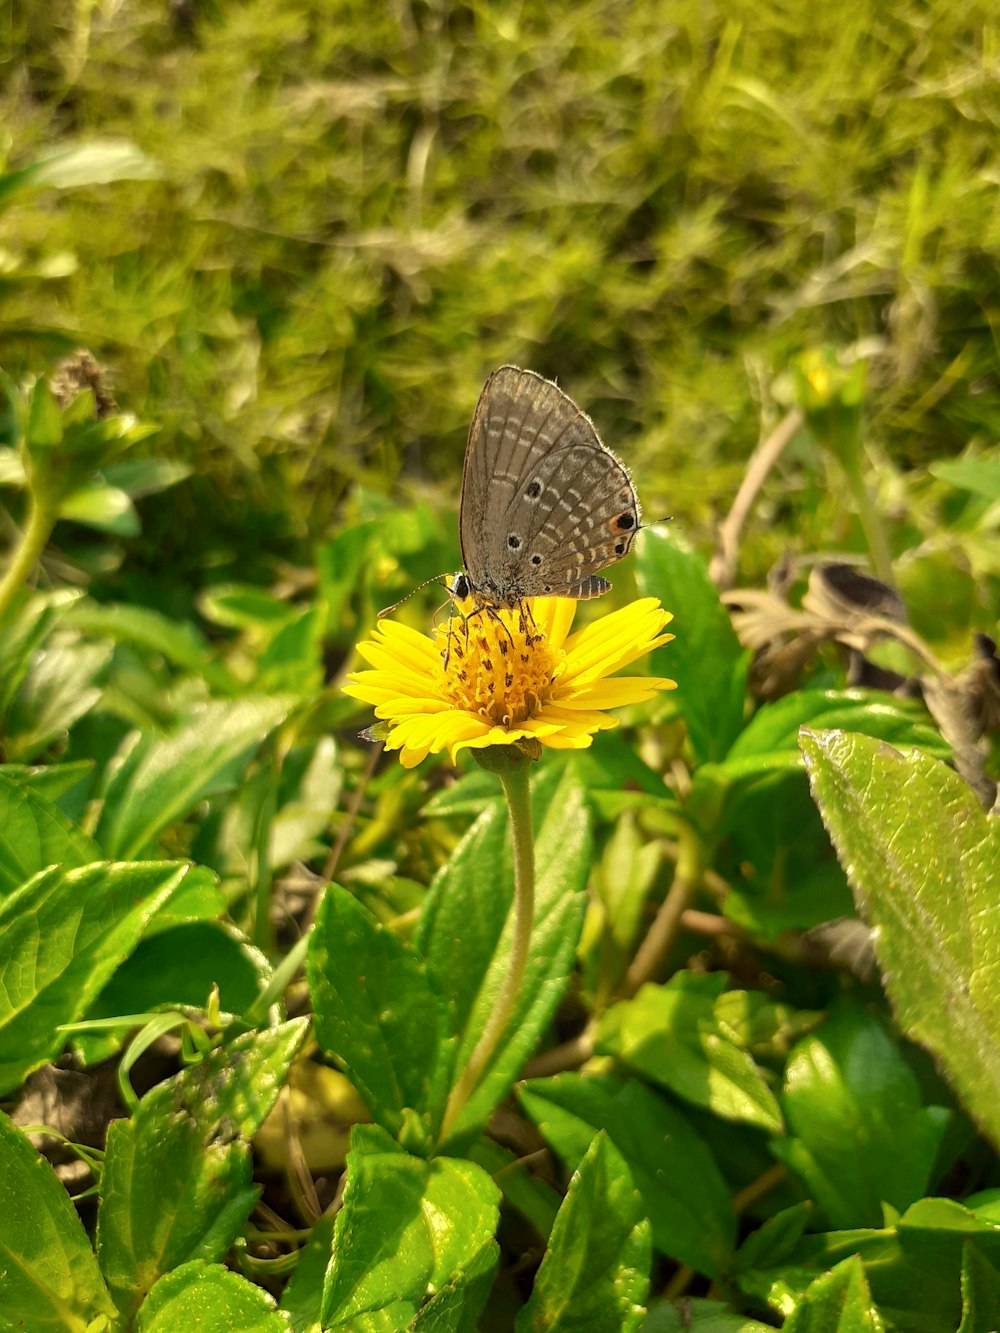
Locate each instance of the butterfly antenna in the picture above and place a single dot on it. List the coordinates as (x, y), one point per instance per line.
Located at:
(655, 523)
(388, 610)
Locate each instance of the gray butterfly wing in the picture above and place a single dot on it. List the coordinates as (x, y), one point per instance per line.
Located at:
(545, 504)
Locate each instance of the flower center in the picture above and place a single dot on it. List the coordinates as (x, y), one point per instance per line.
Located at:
(497, 664)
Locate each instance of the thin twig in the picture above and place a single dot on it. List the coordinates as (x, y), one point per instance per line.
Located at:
(654, 948)
(767, 453)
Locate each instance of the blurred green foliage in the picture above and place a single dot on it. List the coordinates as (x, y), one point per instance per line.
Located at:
(338, 217)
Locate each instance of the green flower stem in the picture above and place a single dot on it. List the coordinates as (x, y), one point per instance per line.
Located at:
(514, 778)
(41, 521)
(871, 523)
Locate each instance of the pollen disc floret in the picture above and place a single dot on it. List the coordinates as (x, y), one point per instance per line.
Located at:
(499, 666)
(500, 676)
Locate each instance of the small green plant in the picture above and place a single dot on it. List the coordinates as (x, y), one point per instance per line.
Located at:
(663, 988)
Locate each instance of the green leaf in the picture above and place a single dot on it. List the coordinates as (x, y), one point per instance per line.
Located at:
(377, 1013)
(179, 966)
(12, 471)
(705, 658)
(672, 1035)
(24, 629)
(203, 1193)
(979, 475)
(210, 1299)
(859, 1136)
(683, 1192)
(595, 1272)
(35, 834)
(302, 1298)
(406, 1228)
(64, 933)
(773, 732)
(44, 426)
(138, 477)
(777, 854)
(339, 562)
(980, 1293)
(456, 1307)
(292, 659)
(314, 778)
(241, 606)
(162, 779)
(178, 641)
(922, 859)
(103, 507)
(837, 1302)
(913, 1267)
(49, 1278)
(522, 1187)
(50, 781)
(187, 1148)
(470, 901)
(57, 689)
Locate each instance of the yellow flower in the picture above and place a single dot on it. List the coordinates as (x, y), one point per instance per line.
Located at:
(497, 677)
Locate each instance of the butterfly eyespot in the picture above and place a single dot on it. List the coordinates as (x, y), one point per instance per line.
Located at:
(534, 490)
(619, 548)
(513, 541)
(624, 521)
(536, 560)
(548, 587)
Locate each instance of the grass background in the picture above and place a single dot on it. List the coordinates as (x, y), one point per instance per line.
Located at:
(360, 210)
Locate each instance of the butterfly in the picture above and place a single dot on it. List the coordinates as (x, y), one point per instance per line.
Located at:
(545, 504)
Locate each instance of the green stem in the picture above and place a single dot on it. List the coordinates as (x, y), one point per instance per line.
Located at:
(515, 788)
(41, 521)
(871, 523)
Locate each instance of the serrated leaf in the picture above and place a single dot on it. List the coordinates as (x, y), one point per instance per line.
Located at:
(837, 1302)
(57, 689)
(773, 731)
(705, 657)
(186, 1147)
(407, 1226)
(913, 1266)
(302, 1298)
(595, 1272)
(49, 1279)
(178, 641)
(922, 859)
(456, 1307)
(671, 1034)
(377, 1013)
(980, 1293)
(162, 779)
(683, 1192)
(211, 1299)
(180, 966)
(64, 933)
(35, 834)
(859, 1135)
